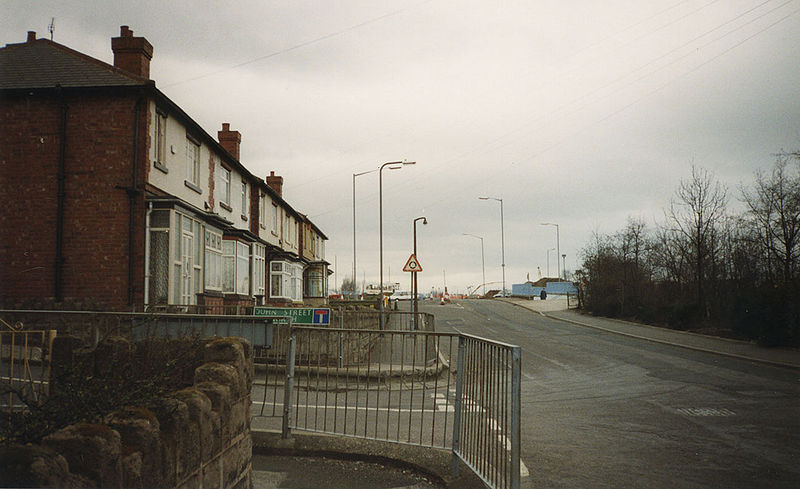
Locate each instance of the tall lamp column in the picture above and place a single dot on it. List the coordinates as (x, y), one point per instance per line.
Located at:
(558, 244)
(355, 280)
(502, 240)
(393, 165)
(414, 284)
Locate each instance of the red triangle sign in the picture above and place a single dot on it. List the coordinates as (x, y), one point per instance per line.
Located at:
(412, 265)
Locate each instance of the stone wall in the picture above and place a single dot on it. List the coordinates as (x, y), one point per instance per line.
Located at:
(196, 437)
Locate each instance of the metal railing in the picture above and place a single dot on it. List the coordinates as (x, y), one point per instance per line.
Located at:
(487, 411)
(390, 386)
(417, 387)
(401, 387)
(25, 360)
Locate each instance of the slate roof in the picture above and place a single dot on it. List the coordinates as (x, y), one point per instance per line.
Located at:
(45, 64)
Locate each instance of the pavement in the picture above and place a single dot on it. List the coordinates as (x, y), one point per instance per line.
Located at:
(556, 307)
(275, 469)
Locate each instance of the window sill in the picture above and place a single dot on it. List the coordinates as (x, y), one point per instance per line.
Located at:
(193, 187)
(226, 206)
(160, 166)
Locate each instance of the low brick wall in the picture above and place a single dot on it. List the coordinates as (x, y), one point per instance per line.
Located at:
(196, 437)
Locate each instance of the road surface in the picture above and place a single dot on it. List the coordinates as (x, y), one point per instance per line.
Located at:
(602, 410)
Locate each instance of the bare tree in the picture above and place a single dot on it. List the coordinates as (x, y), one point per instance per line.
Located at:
(774, 205)
(696, 209)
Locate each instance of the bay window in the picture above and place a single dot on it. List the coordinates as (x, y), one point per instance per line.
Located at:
(286, 280)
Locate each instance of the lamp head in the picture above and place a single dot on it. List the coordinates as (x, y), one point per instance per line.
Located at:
(424, 220)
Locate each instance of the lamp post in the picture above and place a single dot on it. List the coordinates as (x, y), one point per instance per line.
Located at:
(564, 256)
(393, 165)
(558, 243)
(548, 261)
(414, 285)
(354, 227)
(483, 263)
(502, 240)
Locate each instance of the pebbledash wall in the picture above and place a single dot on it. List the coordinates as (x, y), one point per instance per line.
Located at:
(201, 438)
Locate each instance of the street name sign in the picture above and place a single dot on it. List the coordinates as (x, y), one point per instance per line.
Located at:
(412, 265)
(311, 316)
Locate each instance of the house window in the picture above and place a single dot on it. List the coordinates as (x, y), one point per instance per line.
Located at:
(192, 162)
(275, 219)
(262, 211)
(245, 207)
(259, 268)
(160, 140)
(235, 267)
(314, 282)
(186, 260)
(224, 185)
(242, 268)
(286, 280)
(213, 260)
(287, 234)
(228, 266)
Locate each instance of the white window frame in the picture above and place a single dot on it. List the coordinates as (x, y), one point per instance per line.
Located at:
(228, 266)
(275, 219)
(160, 138)
(259, 255)
(213, 260)
(242, 268)
(262, 211)
(224, 184)
(236, 267)
(286, 280)
(186, 272)
(245, 200)
(192, 161)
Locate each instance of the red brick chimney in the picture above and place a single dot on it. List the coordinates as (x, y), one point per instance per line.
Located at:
(230, 140)
(276, 182)
(132, 54)
(31, 36)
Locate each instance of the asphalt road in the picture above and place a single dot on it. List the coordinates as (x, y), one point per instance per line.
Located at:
(602, 410)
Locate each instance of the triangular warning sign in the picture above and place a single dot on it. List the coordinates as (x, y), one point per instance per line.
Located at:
(412, 265)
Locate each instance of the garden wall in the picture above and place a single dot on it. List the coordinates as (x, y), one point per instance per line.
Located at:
(195, 437)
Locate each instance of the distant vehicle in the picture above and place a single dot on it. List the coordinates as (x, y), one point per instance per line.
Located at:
(401, 295)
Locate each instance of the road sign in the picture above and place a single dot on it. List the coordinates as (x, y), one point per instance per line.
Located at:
(412, 265)
(300, 315)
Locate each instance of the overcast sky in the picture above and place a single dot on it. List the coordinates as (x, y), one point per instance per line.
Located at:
(580, 113)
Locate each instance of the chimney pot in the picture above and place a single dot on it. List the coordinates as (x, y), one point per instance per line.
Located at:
(276, 182)
(31, 36)
(132, 54)
(230, 140)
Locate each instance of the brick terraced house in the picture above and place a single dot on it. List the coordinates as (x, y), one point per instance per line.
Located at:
(109, 191)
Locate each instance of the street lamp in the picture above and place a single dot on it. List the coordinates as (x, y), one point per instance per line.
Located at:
(393, 165)
(548, 261)
(354, 226)
(558, 243)
(414, 286)
(502, 240)
(483, 263)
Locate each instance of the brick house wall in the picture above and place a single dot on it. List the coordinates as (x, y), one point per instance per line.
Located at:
(98, 166)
